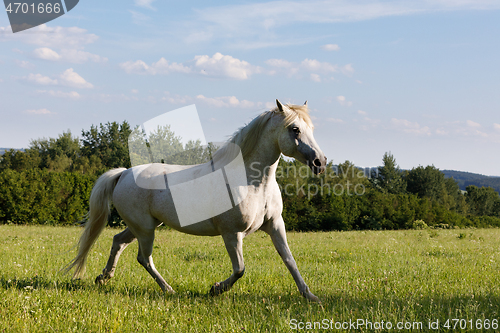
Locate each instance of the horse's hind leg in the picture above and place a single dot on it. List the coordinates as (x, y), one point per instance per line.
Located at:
(234, 247)
(144, 257)
(120, 242)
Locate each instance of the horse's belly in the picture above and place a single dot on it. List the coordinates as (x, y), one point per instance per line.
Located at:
(164, 210)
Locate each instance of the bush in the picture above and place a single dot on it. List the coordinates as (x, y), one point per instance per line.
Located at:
(419, 225)
(42, 197)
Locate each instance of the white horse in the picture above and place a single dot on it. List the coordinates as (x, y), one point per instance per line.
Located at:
(287, 130)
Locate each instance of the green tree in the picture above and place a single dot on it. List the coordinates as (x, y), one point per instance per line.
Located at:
(426, 182)
(20, 160)
(388, 177)
(483, 201)
(57, 154)
(109, 143)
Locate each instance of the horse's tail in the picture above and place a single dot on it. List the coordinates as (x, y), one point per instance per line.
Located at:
(99, 209)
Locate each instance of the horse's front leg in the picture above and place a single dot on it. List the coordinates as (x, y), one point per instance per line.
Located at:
(234, 246)
(276, 229)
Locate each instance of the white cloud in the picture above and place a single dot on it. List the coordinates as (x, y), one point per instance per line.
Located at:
(46, 54)
(71, 79)
(347, 70)
(145, 4)
(162, 66)
(177, 99)
(68, 78)
(263, 24)
(311, 68)
(67, 55)
(52, 37)
(315, 77)
(371, 121)
(335, 120)
(40, 79)
(80, 57)
(225, 101)
(140, 18)
(442, 131)
(39, 111)
(410, 127)
(472, 124)
(25, 64)
(220, 65)
(330, 47)
(69, 43)
(265, 15)
(136, 67)
(110, 98)
(226, 66)
(467, 128)
(219, 102)
(315, 65)
(280, 63)
(60, 94)
(366, 123)
(343, 101)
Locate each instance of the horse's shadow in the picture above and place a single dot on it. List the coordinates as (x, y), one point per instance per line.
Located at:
(40, 282)
(37, 282)
(488, 302)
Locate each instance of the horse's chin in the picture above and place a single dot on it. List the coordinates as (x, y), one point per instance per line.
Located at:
(317, 170)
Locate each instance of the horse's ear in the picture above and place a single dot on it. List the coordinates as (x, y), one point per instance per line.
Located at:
(305, 103)
(280, 106)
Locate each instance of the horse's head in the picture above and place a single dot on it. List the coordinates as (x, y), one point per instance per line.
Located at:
(296, 137)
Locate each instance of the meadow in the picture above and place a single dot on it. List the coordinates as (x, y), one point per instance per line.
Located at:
(411, 279)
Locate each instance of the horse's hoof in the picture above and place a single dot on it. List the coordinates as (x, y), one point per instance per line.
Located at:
(216, 289)
(100, 280)
(313, 298)
(170, 291)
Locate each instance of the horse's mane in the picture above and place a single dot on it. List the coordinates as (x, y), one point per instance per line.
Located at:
(246, 137)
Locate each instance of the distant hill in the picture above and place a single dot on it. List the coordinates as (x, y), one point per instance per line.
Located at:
(465, 179)
(3, 150)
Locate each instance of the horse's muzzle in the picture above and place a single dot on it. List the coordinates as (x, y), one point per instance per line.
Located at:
(318, 165)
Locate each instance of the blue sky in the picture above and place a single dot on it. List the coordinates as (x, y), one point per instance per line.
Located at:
(417, 78)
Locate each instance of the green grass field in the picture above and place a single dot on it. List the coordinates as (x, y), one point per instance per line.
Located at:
(406, 278)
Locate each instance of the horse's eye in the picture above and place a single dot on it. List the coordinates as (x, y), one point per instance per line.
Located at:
(296, 130)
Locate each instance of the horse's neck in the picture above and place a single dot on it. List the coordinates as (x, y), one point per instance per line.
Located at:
(261, 164)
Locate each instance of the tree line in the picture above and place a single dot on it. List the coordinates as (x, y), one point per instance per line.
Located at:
(384, 198)
(50, 183)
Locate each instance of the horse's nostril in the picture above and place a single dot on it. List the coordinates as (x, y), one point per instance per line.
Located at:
(317, 162)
